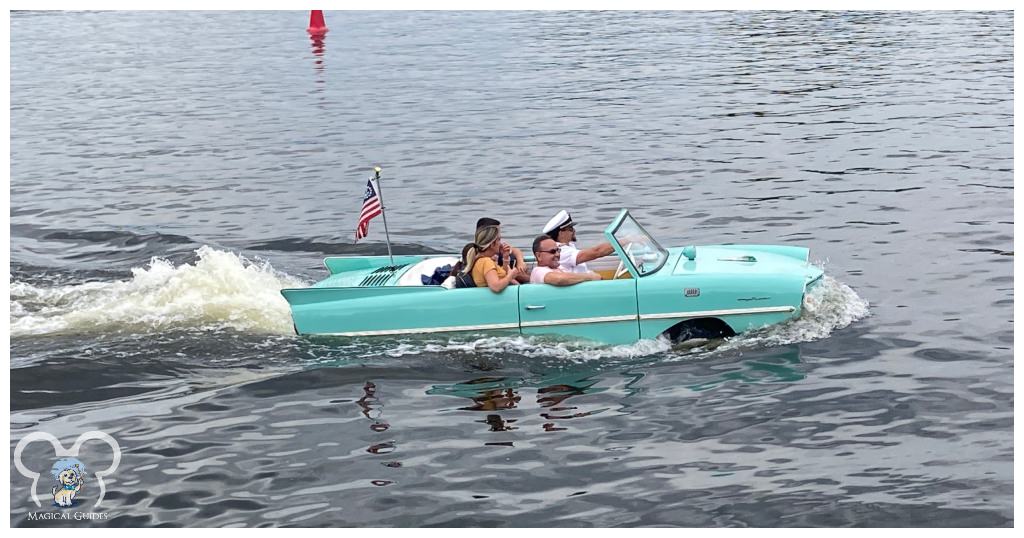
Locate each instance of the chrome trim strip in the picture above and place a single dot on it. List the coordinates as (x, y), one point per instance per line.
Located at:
(459, 328)
(730, 312)
(576, 321)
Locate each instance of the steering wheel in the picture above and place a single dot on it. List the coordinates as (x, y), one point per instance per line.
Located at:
(622, 263)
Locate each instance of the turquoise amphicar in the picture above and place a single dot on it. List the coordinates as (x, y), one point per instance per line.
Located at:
(647, 291)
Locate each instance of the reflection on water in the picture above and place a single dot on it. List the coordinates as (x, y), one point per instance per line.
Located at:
(504, 393)
(556, 392)
(489, 395)
(318, 54)
(371, 404)
(498, 424)
(318, 39)
(372, 408)
(770, 367)
(318, 50)
(703, 430)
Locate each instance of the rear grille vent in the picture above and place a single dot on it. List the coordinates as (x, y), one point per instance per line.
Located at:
(380, 275)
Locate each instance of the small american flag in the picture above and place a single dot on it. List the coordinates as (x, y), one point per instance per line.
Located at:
(371, 208)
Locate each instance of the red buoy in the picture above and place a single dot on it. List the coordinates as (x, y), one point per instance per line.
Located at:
(317, 26)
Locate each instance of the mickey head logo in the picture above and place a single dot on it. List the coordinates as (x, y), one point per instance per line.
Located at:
(62, 452)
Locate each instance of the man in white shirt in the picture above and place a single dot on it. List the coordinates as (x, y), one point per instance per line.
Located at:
(547, 270)
(562, 229)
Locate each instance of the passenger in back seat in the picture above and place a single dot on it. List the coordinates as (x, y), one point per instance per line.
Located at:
(480, 261)
(512, 254)
(460, 274)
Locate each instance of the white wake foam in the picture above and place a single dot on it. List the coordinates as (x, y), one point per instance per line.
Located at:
(221, 290)
(830, 306)
(533, 347)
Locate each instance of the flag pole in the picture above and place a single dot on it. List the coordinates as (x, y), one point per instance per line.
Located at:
(383, 213)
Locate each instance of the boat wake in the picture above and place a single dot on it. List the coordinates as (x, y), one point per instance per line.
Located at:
(220, 290)
(226, 290)
(533, 347)
(830, 306)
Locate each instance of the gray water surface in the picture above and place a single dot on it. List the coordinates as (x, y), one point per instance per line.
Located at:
(235, 149)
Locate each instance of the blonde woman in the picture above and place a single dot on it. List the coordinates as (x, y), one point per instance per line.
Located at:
(481, 265)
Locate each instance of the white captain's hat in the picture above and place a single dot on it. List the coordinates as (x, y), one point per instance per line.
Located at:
(561, 220)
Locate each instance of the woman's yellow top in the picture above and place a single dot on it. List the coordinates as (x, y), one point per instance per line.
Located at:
(480, 268)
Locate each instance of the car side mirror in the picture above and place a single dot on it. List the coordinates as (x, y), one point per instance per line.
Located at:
(690, 252)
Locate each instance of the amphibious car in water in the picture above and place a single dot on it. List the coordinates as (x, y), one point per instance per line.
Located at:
(649, 290)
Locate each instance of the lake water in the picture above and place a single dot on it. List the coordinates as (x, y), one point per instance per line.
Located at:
(171, 171)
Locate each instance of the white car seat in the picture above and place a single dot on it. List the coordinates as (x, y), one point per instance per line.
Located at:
(413, 276)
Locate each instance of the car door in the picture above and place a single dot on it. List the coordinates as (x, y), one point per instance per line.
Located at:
(602, 310)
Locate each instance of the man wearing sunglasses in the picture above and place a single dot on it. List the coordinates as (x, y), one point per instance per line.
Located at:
(562, 229)
(547, 270)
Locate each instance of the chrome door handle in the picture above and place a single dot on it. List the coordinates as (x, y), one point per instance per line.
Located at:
(535, 307)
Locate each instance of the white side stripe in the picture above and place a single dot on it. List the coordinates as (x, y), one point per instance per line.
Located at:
(493, 326)
(572, 321)
(731, 312)
(577, 321)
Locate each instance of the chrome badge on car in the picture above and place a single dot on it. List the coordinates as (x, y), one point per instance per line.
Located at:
(692, 292)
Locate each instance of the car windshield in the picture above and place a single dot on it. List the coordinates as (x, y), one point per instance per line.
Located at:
(646, 254)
